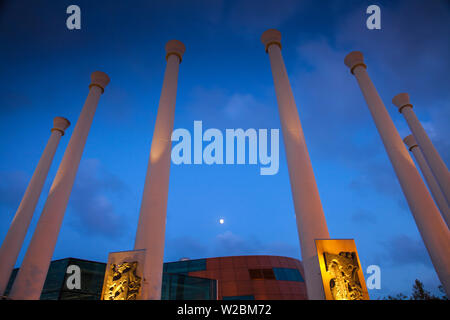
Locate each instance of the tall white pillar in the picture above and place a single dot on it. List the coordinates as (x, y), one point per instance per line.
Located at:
(429, 177)
(33, 271)
(18, 229)
(432, 228)
(152, 218)
(430, 153)
(311, 223)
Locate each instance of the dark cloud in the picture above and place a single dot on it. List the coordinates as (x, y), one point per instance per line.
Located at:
(329, 101)
(362, 216)
(219, 108)
(403, 250)
(256, 16)
(12, 188)
(337, 123)
(121, 106)
(227, 244)
(378, 176)
(13, 101)
(439, 128)
(408, 54)
(409, 49)
(185, 247)
(94, 211)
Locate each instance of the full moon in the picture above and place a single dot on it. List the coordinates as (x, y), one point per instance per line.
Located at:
(221, 221)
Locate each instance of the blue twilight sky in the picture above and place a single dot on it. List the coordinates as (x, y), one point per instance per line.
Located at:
(225, 81)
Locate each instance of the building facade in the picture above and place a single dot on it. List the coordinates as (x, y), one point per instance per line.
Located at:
(248, 277)
(222, 278)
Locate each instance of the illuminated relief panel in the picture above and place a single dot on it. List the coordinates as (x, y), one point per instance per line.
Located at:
(342, 276)
(123, 275)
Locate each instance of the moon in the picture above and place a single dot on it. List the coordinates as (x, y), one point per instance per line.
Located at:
(221, 221)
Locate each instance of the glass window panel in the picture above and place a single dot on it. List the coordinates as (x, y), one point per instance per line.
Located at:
(177, 267)
(174, 286)
(55, 280)
(92, 276)
(279, 273)
(182, 287)
(197, 265)
(288, 274)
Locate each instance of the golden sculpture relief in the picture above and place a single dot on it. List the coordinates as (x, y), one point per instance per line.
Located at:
(343, 269)
(122, 282)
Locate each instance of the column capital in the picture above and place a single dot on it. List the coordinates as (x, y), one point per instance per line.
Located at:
(401, 101)
(410, 142)
(354, 59)
(60, 124)
(99, 79)
(175, 47)
(269, 37)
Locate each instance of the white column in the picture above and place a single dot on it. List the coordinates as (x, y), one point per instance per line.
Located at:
(18, 229)
(432, 228)
(430, 153)
(429, 177)
(311, 223)
(33, 271)
(152, 218)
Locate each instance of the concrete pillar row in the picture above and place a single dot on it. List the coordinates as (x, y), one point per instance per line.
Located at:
(33, 271)
(436, 192)
(17, 231)
(432, 227)
(434, 160)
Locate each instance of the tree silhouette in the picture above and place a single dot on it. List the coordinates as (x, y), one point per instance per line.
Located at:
(419, 293)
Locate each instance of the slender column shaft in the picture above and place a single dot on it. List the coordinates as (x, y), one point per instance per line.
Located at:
(18, 229)
(311, 223)
(432, 228)
(429, 178)
(33, 271)
(152, 218)
(434, 160)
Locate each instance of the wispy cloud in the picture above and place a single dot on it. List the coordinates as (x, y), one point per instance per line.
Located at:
(227, 244)
(402, 249)
(12, 187)
(254, 17)
(334, 114)
(94, 212)
(362, 216)
(13, 101)
(220, 108)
